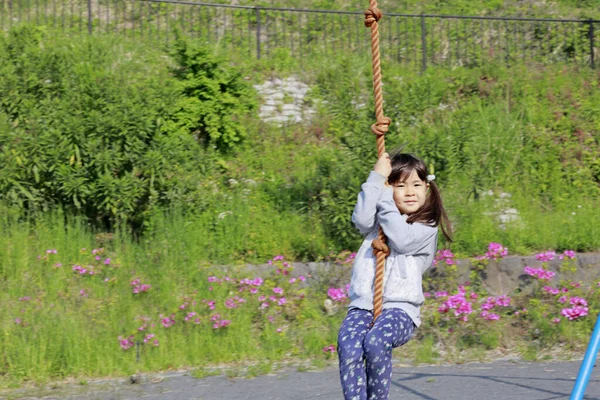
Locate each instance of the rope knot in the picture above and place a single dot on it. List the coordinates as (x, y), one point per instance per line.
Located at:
(380, 246)
(372, 15)
(381, 127)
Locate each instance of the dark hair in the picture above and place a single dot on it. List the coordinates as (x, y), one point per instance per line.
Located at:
(432, 212)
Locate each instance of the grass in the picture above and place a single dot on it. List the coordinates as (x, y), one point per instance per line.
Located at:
(59, 323)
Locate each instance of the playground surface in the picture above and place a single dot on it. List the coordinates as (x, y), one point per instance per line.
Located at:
(500, 380)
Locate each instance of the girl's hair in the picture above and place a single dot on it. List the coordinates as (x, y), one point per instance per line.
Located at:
(432, 212)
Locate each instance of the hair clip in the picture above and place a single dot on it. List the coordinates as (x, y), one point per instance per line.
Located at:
(430, 178)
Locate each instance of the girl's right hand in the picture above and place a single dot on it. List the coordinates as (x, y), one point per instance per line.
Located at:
(383, 165)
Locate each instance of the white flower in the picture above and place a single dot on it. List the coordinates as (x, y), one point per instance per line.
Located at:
(224, 214)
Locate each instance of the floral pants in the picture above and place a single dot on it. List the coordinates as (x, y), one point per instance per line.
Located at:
(365, 352)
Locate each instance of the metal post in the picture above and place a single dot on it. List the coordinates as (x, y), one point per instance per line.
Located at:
(423, 45)
(89, 4)
(257, 10)
(592, 34)
(587, 365)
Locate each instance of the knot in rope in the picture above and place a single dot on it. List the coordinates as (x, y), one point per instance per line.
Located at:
(380, 246)
(380, 127)
(372, 15)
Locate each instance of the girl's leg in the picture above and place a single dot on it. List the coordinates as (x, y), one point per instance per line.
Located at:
(350, 351)
(392, 329)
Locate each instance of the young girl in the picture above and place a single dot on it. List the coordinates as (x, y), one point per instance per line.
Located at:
(408, 207)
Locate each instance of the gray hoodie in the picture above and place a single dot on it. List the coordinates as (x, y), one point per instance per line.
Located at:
(412, 250)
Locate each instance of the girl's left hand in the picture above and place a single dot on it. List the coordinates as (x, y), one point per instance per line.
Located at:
(383, 166)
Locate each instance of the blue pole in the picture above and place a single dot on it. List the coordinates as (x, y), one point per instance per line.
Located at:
(587, 365)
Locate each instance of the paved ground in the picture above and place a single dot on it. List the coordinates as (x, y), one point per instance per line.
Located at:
(493, 381)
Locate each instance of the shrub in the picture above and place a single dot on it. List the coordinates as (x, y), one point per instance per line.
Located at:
(215, 96)
(94, 127)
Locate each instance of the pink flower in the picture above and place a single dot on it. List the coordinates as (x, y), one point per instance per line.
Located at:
(551, 290)
(107, 261)
(440, 294)
(189, 316)
(578, 301)
(278, 290)
(555, 320)
(212, 279)
(336, 294)
(167, 322)
(281, 301)
(539, 273)
(496, 251)
(569, 253)
(279, 330)
(444, 256)
(489, 316)
(138, 287)
(126, 343)
(221, 323)
(562, 299)
(458, 303)
(503, 301)
(329, 349)
(574, 312)
(545, 256)
(148, 337)
(301, 278)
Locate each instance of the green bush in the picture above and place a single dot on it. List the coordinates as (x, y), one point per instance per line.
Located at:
(215, 97)
(102, 128)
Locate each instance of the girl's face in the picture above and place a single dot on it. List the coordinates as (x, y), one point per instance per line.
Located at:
(410, 194)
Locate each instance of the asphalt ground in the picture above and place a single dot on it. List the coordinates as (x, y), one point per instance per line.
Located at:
(502, 380)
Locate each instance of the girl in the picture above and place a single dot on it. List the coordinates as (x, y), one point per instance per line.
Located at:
(408, 207)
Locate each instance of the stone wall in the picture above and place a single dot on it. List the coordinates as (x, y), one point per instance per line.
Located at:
(500, 277)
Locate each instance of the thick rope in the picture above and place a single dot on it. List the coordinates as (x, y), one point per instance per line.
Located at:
(380, 248)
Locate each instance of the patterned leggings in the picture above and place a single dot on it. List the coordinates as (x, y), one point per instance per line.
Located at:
(358, 341)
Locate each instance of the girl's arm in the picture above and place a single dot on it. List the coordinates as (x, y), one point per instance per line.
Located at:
(405, 238)
(366, 205)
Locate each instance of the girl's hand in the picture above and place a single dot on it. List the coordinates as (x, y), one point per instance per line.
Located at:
(383, 166)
